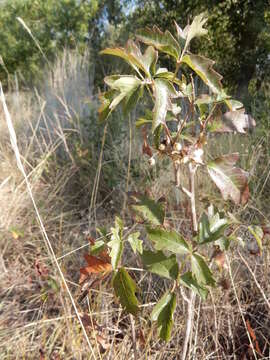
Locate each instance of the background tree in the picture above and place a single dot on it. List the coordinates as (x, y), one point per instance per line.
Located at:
(55, 24)
(238, 38)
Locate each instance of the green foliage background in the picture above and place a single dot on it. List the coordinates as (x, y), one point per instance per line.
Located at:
(55, 25)
(238, 38)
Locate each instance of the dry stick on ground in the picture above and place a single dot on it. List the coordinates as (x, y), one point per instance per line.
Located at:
(13, 140)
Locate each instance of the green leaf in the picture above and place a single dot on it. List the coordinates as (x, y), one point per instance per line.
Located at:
(123, 83)
(125, 287)
(163, 314)
(164, 42)
(97, 248)
(223, 243)
(53, 284)
(160, 264)
(190, 281)
(105, 109)
(122, 53)
(156, 136)
(231, 181)
(233, 104)
(116, 243)
(133, 56)
(257, 232)
(103, 232)
(126, 87)
(194, 30)
(163, 93)
(148, 60)
(205, 99)
(163, 73)
(201, 270)
(232, 121)
(211, 227)
(142, 121)
(131, 101)
(168, 240)
(148, 209)
(203, 67)
(136, 244)
(145, 119)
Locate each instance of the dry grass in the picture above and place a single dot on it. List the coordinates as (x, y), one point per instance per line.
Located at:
(37, 320)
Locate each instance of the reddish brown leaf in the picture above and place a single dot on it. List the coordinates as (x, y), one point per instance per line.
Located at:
(91, 240)
(146, 149)
(41, 355)
(232, 121)
(253, 337)
(219, 258)
(266, 229)
(95, 266)
(231, 180)
(245, 195)
(103, 341)
(103, 255)
(225, 284)
(141, 337)
(256, 251)
(41, 269)
(87, 322)
(97, 329)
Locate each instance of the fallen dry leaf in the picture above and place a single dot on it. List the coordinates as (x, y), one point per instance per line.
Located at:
(94, 266)
(219, 258)
(253, 337)
(103, 341)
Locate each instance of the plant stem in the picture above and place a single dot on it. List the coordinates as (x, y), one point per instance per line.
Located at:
(133, 336)
(192, 298)
(192, 172)
(190, 317)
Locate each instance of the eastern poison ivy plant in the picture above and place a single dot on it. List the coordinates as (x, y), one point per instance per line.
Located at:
(175, 126)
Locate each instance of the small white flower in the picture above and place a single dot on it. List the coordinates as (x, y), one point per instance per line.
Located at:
(152, 161)
(185, 159)
(177, 146)
(162, 147)
(197, 155)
